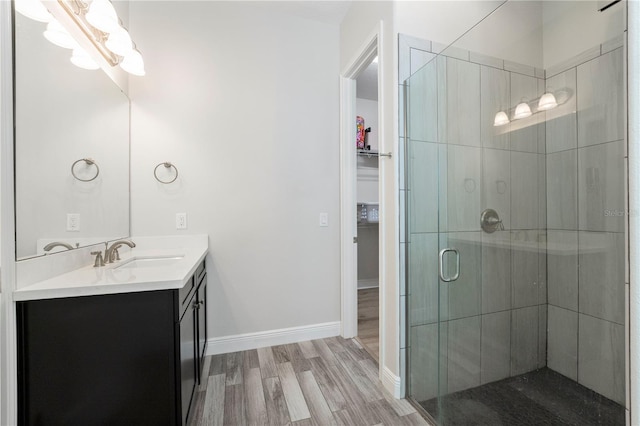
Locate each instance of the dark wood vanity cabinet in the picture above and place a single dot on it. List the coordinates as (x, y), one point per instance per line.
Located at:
(193, 338)
(119, 359)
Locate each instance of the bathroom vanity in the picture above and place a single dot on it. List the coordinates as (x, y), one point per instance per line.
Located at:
(125, 349)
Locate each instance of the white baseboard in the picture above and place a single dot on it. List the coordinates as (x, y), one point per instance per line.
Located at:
(391, 383)
(367, 283)
(261, 339)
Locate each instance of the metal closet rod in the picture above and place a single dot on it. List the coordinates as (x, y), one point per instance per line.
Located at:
(373, 153)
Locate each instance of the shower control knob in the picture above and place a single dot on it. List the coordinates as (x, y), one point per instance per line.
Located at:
(490, 221)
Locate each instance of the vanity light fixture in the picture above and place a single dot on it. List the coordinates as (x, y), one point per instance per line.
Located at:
(522, 111)
(501, 119)
(33, 9)
(98, 21)
(547, 102)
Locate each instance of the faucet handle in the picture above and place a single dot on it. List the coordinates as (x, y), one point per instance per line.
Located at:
(99, 260)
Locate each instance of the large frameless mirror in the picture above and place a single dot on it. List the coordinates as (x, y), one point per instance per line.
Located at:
(71, 149)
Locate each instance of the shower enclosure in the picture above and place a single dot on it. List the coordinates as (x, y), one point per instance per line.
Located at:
(516, 195)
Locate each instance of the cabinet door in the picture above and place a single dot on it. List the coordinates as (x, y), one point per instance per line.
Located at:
(202, 324)
(98, 360)
(188, 356)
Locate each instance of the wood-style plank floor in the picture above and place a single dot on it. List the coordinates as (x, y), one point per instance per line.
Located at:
(329, 381)
(368, 320)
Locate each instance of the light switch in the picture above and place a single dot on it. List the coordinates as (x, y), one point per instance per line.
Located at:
(324, 219)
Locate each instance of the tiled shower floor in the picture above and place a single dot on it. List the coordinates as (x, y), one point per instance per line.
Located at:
(542, 397)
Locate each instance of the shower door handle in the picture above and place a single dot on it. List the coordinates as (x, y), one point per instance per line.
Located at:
(441, 264)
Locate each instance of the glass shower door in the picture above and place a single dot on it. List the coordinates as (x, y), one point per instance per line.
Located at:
(444, 235)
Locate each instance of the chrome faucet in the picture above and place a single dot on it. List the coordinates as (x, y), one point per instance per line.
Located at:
(54, 244)
(111, 253)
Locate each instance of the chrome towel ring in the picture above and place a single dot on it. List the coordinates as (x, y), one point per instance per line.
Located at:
(167, 165)
(89, 162)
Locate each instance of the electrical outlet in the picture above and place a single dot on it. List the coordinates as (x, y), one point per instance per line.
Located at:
(73, 222)
(324, 219)
(181, 221)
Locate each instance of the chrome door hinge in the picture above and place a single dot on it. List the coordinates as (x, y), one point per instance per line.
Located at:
(355, 240)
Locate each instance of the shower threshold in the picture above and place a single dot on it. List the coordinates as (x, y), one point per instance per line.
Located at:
(541, 397)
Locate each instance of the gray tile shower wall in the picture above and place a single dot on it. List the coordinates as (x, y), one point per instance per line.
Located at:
(562, 355)
(562, 190)
(585, 216)
(600, 99)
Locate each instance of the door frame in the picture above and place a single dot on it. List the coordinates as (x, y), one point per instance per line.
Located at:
(348, 193)
(8, 345)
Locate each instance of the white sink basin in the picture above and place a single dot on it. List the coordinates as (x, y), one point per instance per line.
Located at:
(150, 261)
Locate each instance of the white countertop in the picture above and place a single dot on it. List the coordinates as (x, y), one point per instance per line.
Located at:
(111, 279)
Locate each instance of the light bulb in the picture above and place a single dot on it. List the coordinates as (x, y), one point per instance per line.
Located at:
(547, 101)
(57, 35)
(119, 42)
(33, 9)
(103, 16)
(501, 119)
(522, 111)
(81, 59)
(133, 63)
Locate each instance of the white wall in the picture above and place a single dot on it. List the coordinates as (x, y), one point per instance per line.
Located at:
(572, 27)
(441, 21)
(244, 102)
(513, 32)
